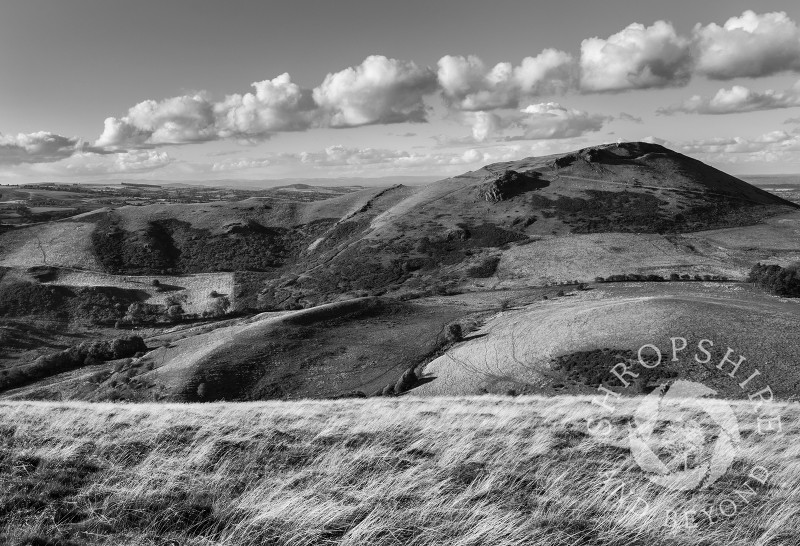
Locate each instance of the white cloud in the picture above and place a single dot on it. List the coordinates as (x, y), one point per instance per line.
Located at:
(737, 99)
(542, 121)
(37, 147)
(356, 159)
(775, 146)
(276, 105)
(752, 45)
(91, 163)
(240, 164)
(468, 84)
(550, 120)
(379, 90)
(485, 124)
(637, 57)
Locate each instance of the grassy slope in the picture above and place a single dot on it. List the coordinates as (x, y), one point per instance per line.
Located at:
(517, 345)
(467, 471)
(358, 345)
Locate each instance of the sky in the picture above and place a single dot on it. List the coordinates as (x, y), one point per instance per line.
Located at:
(183, 90)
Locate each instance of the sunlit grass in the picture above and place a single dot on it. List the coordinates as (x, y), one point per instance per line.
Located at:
(464, 471)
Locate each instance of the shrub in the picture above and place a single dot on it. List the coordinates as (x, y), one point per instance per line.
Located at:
(455, 333)
(486, 268)
(674, 277)
(561, 294)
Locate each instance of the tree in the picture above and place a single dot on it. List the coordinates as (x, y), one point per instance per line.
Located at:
(219, 307)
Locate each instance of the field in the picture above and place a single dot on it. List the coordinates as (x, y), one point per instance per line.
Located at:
(193, 291)
(459, 471)
(66, 244)
(515, 348)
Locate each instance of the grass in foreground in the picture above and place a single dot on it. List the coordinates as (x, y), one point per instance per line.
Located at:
(466, 471)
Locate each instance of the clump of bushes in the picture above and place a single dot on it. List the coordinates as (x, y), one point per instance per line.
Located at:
(781, 281)
(485, 269)
(455, 333)
(635, 277)
(86, 353)
(593, 368)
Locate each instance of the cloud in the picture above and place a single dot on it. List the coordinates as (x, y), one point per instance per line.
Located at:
(276, 105)
(624, 116)
(468, 84)
(39, 147)
(637, 57)
(750, 46)
(379, 90)
(542, 121)
(485, 124)
(355, 159)
(550, 120)
(239, 164)
(791, 121)
(737, 99)
(775, 146)
(92, 163)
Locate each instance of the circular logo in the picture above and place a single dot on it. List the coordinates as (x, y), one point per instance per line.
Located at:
(684, 442)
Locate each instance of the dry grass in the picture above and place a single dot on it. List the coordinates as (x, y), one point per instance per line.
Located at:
(194, 290)
(66, 244)
(468, 471)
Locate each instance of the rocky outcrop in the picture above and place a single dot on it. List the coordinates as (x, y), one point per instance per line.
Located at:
(512, 183)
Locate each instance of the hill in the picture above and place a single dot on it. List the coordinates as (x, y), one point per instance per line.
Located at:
(461, 471)
(214, 287)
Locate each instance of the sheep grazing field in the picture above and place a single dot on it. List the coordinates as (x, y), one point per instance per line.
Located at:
(382, 471)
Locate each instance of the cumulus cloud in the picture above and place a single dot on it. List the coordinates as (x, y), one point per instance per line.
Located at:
(737, 99)
(379, 90)
(550, 120)
(637, 57)
(276, 105)
(542, 121)
(751, 46)
(92, 163)
(39, 147)
(468, 84)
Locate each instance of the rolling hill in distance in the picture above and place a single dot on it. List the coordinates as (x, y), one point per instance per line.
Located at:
(356, 294)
